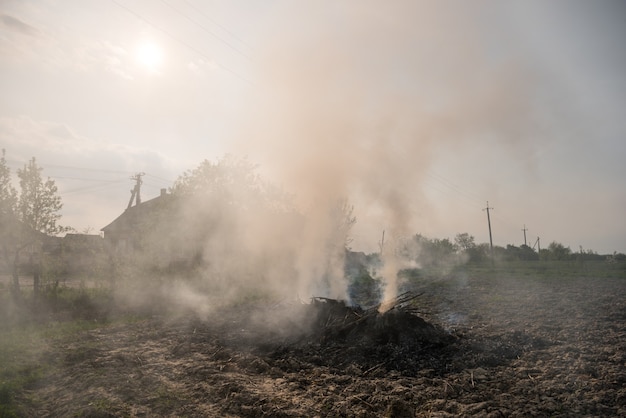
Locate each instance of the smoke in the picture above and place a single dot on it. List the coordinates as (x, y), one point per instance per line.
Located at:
(355, 100)
(352, 101)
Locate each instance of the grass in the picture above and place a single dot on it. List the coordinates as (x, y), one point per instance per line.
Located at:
(29, 332)
(548, 269)
(19, 368)
(535, 270)
(24, 359)
(20, 351)
(28, 329)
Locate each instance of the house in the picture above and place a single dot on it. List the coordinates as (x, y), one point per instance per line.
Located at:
(126, 234)
(24, 250)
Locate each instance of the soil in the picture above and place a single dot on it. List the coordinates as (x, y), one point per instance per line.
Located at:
(490, 347)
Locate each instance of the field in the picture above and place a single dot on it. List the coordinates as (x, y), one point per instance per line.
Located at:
(518, 344)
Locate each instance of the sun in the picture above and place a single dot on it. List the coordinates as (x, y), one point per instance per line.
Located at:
(150, 56)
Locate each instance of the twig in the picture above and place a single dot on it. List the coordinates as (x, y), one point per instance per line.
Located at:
(375, 367)
(364, 401)
(397, 301)
(445, 386)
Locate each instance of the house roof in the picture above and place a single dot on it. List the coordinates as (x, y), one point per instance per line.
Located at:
(82, 239)
(134, 214)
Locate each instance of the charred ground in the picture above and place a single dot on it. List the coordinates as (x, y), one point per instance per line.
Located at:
(486, 346)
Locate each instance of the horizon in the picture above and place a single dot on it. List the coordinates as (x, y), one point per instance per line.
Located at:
(532, 243)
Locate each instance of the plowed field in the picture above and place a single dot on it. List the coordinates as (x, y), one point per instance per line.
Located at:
(516, 348)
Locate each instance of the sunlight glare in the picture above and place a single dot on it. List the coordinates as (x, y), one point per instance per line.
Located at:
(149, 56)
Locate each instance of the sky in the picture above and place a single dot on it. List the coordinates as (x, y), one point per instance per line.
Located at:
(418, 112)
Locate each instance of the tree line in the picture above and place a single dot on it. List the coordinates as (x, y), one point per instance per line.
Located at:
(438, 250)
(217, 191)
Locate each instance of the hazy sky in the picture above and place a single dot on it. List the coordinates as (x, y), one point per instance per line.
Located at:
(418, 112)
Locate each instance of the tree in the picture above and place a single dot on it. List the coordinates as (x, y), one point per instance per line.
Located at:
(521, 253)
(231, 182)
(9, 224)
(8, 194)
(30, 217)
(464, 241)
(432, 252)
(558, 251)
(39, 203)
(467, 244)
(480, 253)
(213, 213)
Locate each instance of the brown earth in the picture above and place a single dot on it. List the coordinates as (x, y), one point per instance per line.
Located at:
(488, 347)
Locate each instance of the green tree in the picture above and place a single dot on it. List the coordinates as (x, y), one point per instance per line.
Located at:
(480, 253)
(32, 216)
(9, 224)
(465, 241)
(558, 251)
(232, 182)
(432, 252)
(8, 194)
(225, 201)
(39, 203)
(521, 253)
(467, 244)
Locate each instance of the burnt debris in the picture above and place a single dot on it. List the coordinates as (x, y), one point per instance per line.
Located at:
(386, 337)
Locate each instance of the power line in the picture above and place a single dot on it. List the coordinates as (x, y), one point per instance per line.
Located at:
(206, 30)
(77, 178)
(91, 188)
(459, 190)
(506, 220)
(450, 187)
(217, 24)
(45, 165)
(102, 170)
(153, 186)
(159, 178)
(138, 16)
(468, 195)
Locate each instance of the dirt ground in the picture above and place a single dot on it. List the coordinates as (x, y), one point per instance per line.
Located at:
(501, 348)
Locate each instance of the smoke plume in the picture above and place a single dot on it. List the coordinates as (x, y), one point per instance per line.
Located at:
(353, 103)
(357, 101)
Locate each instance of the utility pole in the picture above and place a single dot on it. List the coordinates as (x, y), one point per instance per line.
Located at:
(538, 246)
(489, 224)
(135, 193)
(525, 229)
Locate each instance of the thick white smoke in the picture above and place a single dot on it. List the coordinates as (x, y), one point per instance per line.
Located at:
(355, 102)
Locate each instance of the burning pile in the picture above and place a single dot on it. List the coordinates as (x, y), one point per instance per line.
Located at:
(386, 337)
(393, 322)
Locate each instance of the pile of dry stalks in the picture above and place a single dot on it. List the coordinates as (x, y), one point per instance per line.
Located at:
(386, 337)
